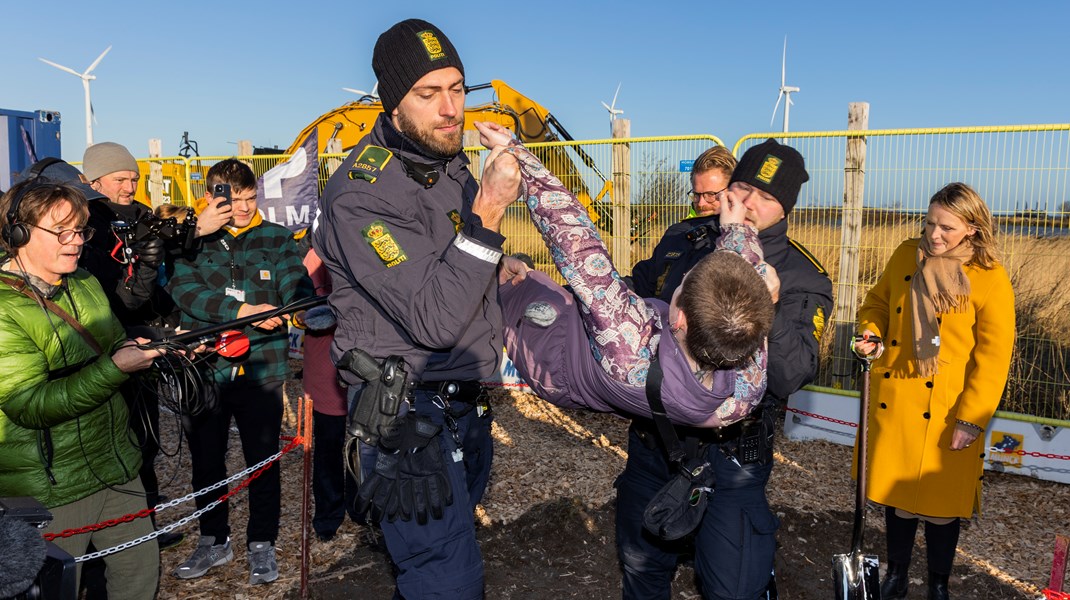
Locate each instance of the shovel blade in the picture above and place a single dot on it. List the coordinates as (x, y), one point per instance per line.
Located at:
(856, 576)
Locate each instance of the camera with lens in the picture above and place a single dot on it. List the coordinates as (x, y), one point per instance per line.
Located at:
(29, 569)
(176, 235)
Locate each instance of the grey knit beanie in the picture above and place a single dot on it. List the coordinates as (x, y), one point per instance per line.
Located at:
(106, 157)
(405, 53)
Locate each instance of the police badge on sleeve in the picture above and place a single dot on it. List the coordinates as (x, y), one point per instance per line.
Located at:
(382, 241)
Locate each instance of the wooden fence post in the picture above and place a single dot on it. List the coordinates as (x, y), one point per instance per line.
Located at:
(334, 146)
(471, 140)
(847, 288)
(156, 195)
(621, 244)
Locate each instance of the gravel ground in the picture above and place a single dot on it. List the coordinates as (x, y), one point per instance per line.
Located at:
(546, 525)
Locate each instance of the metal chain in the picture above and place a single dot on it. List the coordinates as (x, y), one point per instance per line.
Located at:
(991, 449)
(821, 417)
(253, 472)
(1033, 454)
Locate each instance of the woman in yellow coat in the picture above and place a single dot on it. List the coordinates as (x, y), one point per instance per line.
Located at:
(944, 309)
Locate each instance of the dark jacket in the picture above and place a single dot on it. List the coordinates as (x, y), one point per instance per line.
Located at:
(132, 289)
(263, 262)
(805, 294)
(79, 415)
(413, 268)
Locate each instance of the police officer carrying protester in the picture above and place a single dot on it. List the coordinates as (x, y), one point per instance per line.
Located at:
(735, 543)
(412, 245)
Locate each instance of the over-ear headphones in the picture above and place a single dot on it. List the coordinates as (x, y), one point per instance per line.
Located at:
(15, 234)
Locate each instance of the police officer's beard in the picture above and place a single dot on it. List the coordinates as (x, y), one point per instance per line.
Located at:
(447, 146)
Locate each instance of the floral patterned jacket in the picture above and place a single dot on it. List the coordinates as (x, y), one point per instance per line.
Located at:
(623, 331)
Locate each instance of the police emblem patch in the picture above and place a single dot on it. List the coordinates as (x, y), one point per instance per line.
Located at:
(458, 222)
(819, 323)
(382, 241)
(431, 44)
(370, 163)
(768, 169)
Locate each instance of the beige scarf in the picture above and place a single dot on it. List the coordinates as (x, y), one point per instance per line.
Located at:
(939, 285)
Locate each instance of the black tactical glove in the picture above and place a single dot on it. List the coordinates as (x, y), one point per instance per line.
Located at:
(149, 252)
(424, 483)
(378, 495)
(410, 476)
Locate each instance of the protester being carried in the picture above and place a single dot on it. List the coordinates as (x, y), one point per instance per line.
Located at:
(592, 347)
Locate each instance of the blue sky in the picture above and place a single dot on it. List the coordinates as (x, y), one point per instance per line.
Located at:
(262, 71)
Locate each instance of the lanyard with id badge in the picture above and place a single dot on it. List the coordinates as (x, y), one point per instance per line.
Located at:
(233, 290)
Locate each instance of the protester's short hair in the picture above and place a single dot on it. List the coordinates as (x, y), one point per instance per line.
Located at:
(233, 172)
(728, 308)
(38, 198)
(717, 158)
(962, 201)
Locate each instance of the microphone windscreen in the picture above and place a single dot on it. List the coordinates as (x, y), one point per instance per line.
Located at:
(22, 554)
(319, 318)
(232, 344)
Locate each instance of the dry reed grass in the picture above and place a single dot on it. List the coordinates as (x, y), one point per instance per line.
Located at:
(1040, 381)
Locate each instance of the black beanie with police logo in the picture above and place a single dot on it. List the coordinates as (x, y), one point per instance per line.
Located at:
(774, 168)
(405, 53)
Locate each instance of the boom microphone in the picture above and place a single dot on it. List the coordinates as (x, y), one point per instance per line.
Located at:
(206, 334)
(22, 554)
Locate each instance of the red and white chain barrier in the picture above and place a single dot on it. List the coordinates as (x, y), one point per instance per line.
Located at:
(253, 472)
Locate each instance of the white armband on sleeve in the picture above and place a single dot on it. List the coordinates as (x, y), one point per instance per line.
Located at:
(476, 249)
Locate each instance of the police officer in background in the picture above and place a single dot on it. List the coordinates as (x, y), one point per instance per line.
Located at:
(736, 541)
(412, 245)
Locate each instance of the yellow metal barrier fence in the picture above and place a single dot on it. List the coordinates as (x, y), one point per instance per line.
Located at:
(1021, 172)
(635, 188)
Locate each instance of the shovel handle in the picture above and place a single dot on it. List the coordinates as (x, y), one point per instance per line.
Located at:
(863, 441)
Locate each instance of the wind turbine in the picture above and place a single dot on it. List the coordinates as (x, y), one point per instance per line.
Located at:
(374, 95)
(785, 90)
(86, 78)
(612, 107)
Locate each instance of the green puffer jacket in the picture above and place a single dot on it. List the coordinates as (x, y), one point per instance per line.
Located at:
(82, 412)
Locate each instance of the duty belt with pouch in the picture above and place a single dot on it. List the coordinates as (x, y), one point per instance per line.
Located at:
(457, 398)
(745, 440)
(678, 507)
(377, 409)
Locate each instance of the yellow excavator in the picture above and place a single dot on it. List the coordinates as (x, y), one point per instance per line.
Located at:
(529, 120)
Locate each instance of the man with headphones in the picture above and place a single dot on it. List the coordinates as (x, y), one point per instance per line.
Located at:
(70, 451)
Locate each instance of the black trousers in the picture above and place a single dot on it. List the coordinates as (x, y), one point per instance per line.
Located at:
(333, 488)
(257, 411)
(144, 407)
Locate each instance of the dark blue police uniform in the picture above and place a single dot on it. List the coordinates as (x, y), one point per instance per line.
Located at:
(735, 544)
(414, 276)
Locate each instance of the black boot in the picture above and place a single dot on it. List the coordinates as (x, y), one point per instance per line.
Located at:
(937, 586)
(900, 534)
(895, 584)
(940, 542)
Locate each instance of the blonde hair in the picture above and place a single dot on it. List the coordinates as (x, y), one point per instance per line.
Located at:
(166, 211)
(962, 201)
(717, 158)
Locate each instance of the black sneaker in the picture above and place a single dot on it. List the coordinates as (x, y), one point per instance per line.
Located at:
(170, 539)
